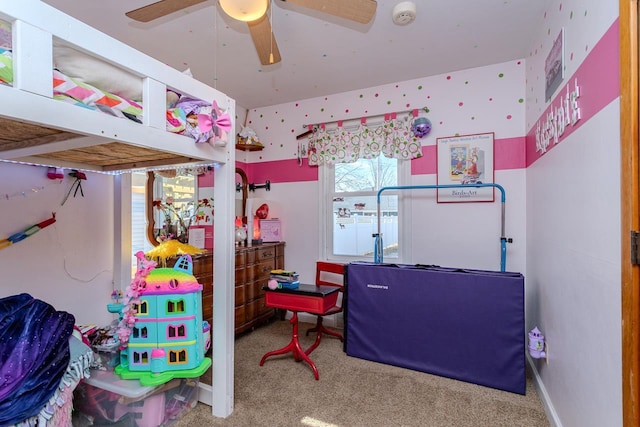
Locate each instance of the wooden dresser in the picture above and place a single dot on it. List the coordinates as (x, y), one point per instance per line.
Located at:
(203, 271)
(253, 265)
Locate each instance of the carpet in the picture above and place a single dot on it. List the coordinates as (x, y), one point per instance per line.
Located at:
(353, 392)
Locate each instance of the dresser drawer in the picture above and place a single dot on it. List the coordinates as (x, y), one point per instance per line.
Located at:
(262, 270)
(240, 316)
(265, 253)
(240, 295)
(241, 257)
(253, 290)
(252, 310)
(240, 275)
(202, 264)
(251, 255)
(206, 282)
(207, 307)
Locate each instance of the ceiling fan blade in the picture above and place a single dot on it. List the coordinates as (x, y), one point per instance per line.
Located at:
(159, 9)
(361, 11)
(264, 41)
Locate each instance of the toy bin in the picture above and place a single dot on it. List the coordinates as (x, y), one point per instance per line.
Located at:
(105, 399)
(107, 355)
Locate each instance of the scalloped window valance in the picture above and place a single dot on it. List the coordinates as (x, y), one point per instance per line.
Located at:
(394, 138)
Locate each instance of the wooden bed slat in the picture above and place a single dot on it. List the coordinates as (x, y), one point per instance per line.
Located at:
(110, 156)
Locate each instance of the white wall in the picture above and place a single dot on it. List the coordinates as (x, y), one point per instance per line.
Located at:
(573, 235)
(467, 235)
(299, 217)
(68, 264)
(485, 99)
(573, 270)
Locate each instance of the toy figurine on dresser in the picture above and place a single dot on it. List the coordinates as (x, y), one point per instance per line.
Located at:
(161, 328)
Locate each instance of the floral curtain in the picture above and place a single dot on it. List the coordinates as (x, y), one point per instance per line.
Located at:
(394, 138)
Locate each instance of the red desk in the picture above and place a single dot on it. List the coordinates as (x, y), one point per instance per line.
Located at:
(306, 298)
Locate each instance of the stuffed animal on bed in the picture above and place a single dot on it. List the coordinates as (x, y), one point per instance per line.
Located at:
(203, 121)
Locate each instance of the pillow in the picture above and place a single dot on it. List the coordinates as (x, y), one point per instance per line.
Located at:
(5, 35)
(96, 72)
(6, 66)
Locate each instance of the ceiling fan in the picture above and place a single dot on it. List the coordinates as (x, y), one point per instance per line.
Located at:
(361, 11)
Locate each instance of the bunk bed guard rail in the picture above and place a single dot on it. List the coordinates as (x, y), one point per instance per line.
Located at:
(379, 248)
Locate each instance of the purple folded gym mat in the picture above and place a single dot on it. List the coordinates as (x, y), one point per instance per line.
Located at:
(462, 324)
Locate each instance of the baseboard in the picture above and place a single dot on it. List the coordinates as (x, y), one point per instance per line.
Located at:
(552, 415)
(205, 393)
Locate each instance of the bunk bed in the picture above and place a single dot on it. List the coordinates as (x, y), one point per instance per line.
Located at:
(37, 127)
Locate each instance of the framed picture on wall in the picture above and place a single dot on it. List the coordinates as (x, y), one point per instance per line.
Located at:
(554, 67)
(462, 161)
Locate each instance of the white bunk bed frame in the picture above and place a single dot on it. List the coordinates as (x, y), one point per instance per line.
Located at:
(68, 136)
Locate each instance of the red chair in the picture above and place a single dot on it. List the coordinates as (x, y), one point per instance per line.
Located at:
(329, 274)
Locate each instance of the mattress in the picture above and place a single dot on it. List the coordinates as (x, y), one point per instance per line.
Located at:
(466, 325)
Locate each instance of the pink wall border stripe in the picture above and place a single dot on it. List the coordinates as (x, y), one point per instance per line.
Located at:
(280, 171)
(599, 82)
(508, 154)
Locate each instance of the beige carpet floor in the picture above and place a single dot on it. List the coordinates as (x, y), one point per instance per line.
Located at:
(353, 392)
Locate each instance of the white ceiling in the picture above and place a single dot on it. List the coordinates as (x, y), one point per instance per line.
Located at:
(321, 54)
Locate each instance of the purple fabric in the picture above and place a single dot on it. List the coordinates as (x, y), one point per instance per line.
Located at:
(34, 355)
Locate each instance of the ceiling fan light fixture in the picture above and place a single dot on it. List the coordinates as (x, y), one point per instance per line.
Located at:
(244, 10)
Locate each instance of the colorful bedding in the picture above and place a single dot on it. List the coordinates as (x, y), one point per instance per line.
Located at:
(6, 66)
(76, 92)
(198, 119)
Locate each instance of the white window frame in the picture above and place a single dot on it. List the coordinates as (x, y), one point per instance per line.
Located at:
(326, 176)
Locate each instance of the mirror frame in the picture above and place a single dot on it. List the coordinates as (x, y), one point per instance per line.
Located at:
(150, 214)
(151, 177)
(245, 193)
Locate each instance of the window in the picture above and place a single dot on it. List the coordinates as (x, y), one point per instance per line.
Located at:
(139, 241)
(141, 358)
(350, 204)
(140, 332)
(142, 308)
(178, 357)
(176, 331)
(175, 306)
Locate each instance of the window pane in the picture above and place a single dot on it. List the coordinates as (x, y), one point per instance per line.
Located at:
(366, 175)
(355, 220)
(139, 240)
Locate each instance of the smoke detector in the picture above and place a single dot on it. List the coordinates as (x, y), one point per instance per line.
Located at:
(404, 13)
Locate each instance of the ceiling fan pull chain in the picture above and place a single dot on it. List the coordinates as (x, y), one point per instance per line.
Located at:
(271, 39)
